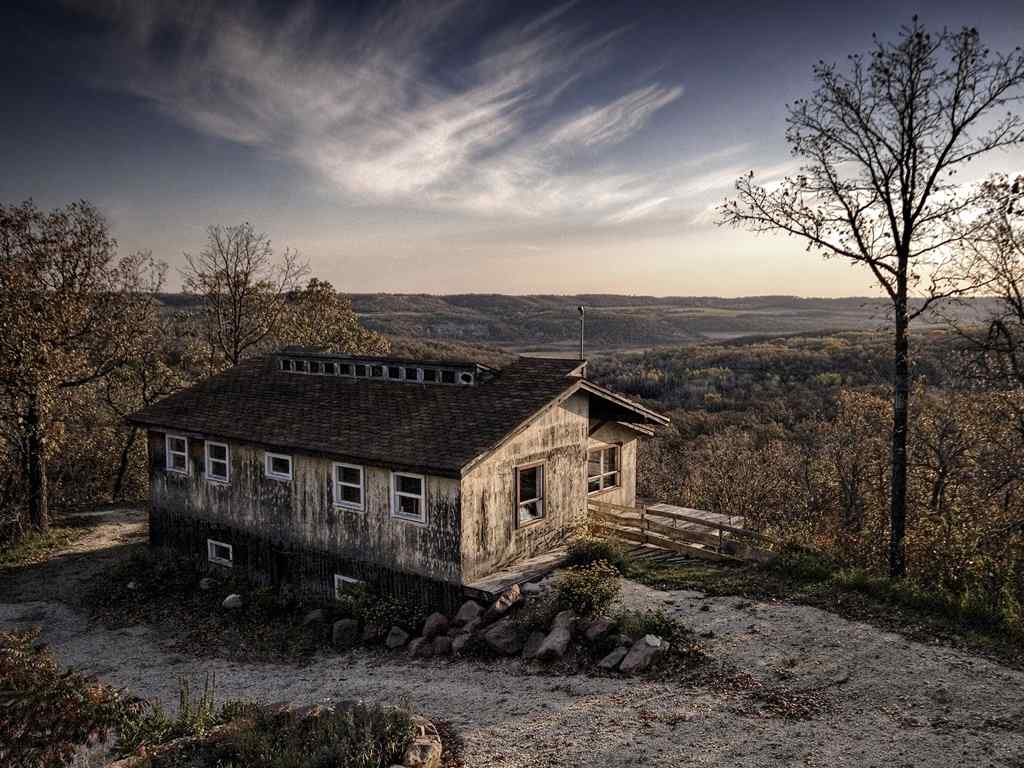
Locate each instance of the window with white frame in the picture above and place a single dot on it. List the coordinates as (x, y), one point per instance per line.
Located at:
(278, 466)
(407, 497)
(529, 493)
(343, 584)
(602, 468)
(348, 486)
(217, 465)
(177, 454)
(220, 553)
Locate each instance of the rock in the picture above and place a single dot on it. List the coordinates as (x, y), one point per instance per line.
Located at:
(505, 601)
(533, 644)
(131, 586)
(345, 633)
(425, 749)
(470, 611)
(421, 648)
(396, 638)
(557, 641)
(442, 645)
(459, 643)
(531, 588)
(472, 626)
(206, 583)
(598, 629)
(621, 639)
(373, 633)
(233, 601)
(313, 617)
(436, 624)
(613, 659)
(503, 638)
(644, 652)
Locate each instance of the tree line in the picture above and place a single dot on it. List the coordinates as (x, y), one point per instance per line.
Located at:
(85, 340)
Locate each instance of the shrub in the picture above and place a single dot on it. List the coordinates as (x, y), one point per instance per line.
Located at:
(359, 736)
(46, 714)
(587, 589)
(650, 622)
(147, 724)
(368, 608)
(803, 564)
(590, 549)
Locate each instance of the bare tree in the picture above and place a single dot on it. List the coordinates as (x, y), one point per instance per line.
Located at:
(71, 313)
(244, 290)
(881, 141)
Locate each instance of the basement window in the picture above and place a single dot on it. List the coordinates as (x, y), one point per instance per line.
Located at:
(217, 465)
(177, 454)
(407, 497)
(602, 469)
(343, 584)
(278, 466)
(529, 494)
(220, 553)
(348, 486)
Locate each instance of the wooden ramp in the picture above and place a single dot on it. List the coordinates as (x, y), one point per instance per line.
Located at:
(489, 587)
(691, 532)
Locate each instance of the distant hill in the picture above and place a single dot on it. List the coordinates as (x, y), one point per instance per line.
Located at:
(545, 323)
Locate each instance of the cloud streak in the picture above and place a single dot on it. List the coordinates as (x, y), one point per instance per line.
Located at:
(369, 106)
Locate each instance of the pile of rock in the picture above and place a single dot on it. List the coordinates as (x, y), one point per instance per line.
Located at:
(494, 629)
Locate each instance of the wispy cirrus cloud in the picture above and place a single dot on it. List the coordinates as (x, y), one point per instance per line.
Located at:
(369, 104)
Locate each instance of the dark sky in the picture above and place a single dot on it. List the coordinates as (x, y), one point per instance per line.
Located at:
(464, 146)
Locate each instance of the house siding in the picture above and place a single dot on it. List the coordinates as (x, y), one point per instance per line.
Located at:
(292, 528)
(490, 538)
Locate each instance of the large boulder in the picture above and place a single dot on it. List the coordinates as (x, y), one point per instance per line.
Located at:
(510, 597)
(558, 639)
(396, 638)
(421, 648)
(503, 638)
(642, 654)
(345, 633)
(441, 645)
(470, 611)
(459, 643)
(533, 644)
(613, 659)
(598, 629)
(436, 624)
(233, 602)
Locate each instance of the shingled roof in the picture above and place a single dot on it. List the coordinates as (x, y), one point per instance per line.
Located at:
(429, 428)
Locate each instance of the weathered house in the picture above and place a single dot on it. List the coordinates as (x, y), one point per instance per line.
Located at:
(325, 469)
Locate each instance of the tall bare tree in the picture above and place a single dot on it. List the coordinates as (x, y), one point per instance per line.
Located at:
(881, 141)
(243, 288)
(71, 313)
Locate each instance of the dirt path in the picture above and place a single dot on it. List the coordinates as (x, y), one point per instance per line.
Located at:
(882, 701)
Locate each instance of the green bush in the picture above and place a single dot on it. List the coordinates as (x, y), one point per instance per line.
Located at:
(147, 724)
(803, 564)
(636, 624)
(371, 608)
(587, 589)
(46, 714)
(590, 549)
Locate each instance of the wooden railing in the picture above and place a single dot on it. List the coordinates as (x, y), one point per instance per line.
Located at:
(696, 533)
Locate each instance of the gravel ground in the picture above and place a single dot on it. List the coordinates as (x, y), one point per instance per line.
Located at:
(874, 698)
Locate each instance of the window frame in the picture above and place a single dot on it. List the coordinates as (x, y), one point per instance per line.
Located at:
(226, 461)
(168, 453)
(341, 579)
(268, 456)
(517, 490)
(339, 502)
(421, 519)
(604, 473)
(211, 545)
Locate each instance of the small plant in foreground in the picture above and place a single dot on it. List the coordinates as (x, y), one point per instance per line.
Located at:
(147, 724)
(587, 589)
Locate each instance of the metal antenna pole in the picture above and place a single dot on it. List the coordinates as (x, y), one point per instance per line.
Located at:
(582, 311)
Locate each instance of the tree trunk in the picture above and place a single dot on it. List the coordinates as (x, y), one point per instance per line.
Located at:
(900, 406)
(122, 467)
(38, 499)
